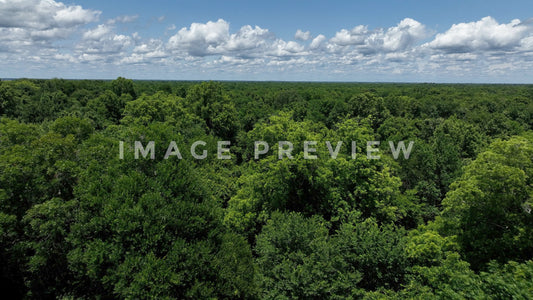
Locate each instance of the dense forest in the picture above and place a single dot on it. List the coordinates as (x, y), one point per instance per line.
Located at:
(453, 221)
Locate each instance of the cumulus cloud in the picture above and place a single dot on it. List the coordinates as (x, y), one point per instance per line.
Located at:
(103, 44)
(246, 39)
(13, 39)
(147, 52)
(483, 35)
(317, 42)
(38, 23)
(72, 15)
(30, 31)
(286, 49)
(150, 46)
(355, 36)
(526, 44)
(112, 43)
(43, 14)
(97, 33)
(406, 34)
(398, 38)
(214, 38)
(302, 36)
(199, 38)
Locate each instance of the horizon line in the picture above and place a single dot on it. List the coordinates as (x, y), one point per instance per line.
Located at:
(273, 81)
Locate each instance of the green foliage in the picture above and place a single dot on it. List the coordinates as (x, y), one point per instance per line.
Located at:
(297, 259)
(122, 86)
(455, 144)
(510, 281)
(17, 97)
(370, 106)
(151, 229)
(451, 222)
(81, 129)
(332, 188)
(47, 227)
(11, 255)
(489, 207)
(209, 103)
(162, 107)
(377, 252)
(107, 108)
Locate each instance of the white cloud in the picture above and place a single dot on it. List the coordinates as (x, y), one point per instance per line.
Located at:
(28, 24)
(466, 49)
(73, 15)
(51, 34)
(398, 38)
(246, 41)
(231, 60)
(214, 38)
(526, 44)
(355, 36)
(484, 35)
(317, 42)
(148, 52)
(454, 57)
(65, 57)
(396, 56)
(302, 36)
(97, 33)
(43, 14)
(199, 38)
(406, 34)
(103, 44)
(151, 45)
(284, 49)
(501, 67)
(110, 44)
(13, 39)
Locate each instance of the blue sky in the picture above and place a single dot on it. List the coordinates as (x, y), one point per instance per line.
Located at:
(327, 17)
(394, 40)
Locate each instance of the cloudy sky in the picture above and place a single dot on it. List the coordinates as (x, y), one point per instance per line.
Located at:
(393, 40)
